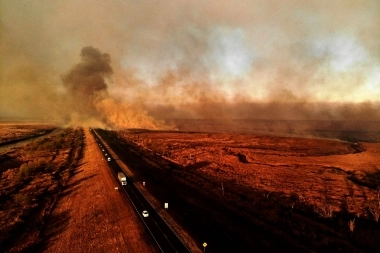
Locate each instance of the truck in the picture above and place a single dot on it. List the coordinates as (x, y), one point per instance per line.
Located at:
(122, 178)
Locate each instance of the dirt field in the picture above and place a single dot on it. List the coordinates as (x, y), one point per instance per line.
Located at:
(91, 216)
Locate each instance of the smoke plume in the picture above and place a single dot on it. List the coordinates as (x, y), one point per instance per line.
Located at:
(88, 101)
(248, 59)
(85, 83)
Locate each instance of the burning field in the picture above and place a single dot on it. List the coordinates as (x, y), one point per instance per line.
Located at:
(271, 190)
(262, 120)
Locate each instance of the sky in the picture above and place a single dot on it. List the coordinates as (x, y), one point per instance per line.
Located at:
(125, 63)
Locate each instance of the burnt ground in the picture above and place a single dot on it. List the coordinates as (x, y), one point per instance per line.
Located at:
(241, 193)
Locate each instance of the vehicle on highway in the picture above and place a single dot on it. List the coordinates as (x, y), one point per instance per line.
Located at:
(109, 159)
(145, 213)
(122, 178)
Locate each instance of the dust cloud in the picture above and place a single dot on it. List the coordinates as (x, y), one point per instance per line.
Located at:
(143, 64)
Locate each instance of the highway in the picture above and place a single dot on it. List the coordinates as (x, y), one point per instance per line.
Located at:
(166, 239)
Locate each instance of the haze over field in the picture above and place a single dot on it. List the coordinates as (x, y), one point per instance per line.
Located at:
(133, 63)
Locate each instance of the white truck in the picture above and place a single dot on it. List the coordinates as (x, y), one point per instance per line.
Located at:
(122, 178)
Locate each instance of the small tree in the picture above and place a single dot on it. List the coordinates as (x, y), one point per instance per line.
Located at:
(375, 209)
(222, 188)
(23, 199)
(351, 225)
(375, 214)
(24, 172)
(291, 207)
(325, 211)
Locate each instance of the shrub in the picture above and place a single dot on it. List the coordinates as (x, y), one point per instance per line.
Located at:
(26, 169)
(49, 167)
(23, 200)
(24, 172)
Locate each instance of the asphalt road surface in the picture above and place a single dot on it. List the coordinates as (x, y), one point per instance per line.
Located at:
(167, 240)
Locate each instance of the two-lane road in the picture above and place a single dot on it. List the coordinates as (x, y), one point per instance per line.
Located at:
(167, 240)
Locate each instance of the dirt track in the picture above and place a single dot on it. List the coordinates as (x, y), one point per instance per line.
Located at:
(91, 216)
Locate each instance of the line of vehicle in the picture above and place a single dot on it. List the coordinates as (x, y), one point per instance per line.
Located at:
(128, 189)
(142, 218)
(162, 219)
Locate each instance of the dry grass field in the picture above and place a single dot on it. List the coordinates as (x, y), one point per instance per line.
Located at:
(11, 132)
(236, 191)
(57, 195)
(90, 216)
(318, 171)
(302, 193)
(32, 178)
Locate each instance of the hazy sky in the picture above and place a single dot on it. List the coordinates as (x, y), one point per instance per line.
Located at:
(172, 56)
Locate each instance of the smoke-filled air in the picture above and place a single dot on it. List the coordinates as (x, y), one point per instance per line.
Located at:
(88, 100)
(139, 64)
